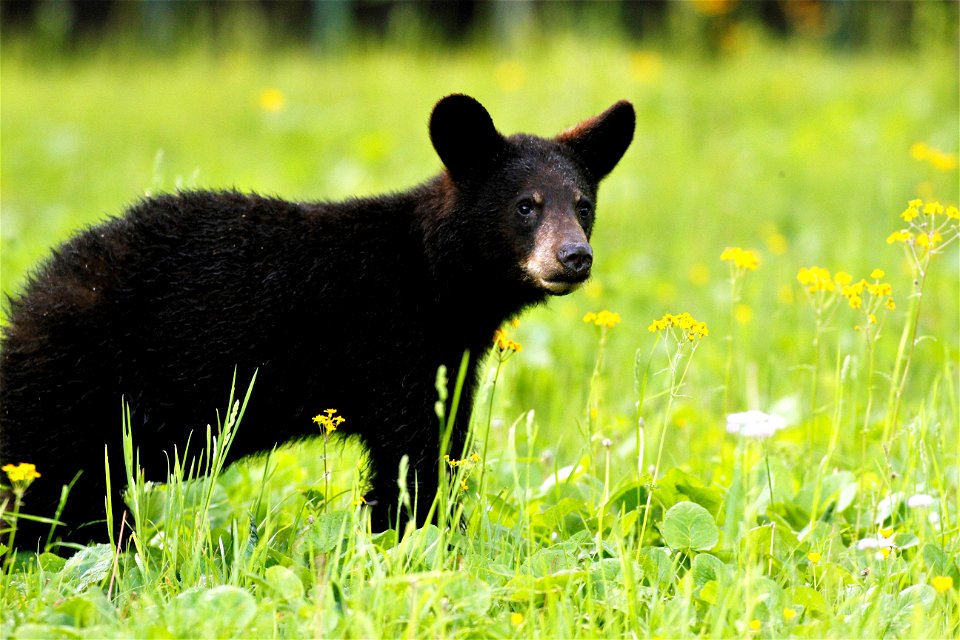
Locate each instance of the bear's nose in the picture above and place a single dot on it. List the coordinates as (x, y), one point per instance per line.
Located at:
(576, 256)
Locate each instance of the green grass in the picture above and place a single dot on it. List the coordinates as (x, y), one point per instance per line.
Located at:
(598, 451)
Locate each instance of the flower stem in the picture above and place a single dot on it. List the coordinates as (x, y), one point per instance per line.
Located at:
(908, 340)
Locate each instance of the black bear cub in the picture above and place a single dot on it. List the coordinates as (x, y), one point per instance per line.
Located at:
(352, 305)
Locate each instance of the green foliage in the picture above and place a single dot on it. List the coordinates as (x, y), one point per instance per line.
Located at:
(689, 527)
(614, 501)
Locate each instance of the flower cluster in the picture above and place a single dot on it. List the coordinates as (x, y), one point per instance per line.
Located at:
(940, 160)
(503, 343)
(754, 424)
(869, 296)
(942, 584)
(473, 459)
(605, 319)
(21, 473)
(329, 420)
(930, 226)
(822, 288)
(690, 327)
(817, 279)
(467, 463)
(272, 100)
(741, 259)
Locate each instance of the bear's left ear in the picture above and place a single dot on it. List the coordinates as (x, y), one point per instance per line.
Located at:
(463, 134)
(601, 141)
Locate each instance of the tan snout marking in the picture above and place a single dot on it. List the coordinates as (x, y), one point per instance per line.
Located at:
(542, 265)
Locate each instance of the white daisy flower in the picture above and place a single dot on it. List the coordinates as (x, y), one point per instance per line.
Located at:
(754, 424)
(920, 500)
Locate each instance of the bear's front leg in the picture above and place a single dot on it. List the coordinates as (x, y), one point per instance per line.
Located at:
(421, 445)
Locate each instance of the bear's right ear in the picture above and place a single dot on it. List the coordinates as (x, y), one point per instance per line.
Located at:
(601, 141)
(463, 134)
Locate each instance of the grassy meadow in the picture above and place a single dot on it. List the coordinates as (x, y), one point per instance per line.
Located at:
(611, 494)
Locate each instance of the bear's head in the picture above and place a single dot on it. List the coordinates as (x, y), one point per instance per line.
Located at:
(534, 197)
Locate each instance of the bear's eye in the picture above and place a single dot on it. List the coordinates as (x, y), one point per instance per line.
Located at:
(584, 211)
(525, 208)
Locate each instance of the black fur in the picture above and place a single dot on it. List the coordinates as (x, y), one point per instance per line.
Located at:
(352, 305)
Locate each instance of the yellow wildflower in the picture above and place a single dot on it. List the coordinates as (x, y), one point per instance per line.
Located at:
(815, 279)
(890, 304)
(698, 330)
(714, 7)
(953, 212)
(743, 314)
(899, 236)
(505, 344)
(881, 289)
(645, 66)
(918, 151)
(329, 420)
(876, 274)
(789, 613)
(516, 618)
(814, 557)
(510, 75)
(272, 100)
(686, 323)
(940, 160)
(777, 243)
(910, 213)
(755, 625)
(741, 258)
(928, 240)
(942, 583)
(23, 472)
(842, 278)
(699, 274)
(608, 319)
(933, 208)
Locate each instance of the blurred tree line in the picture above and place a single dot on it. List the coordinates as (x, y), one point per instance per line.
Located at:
(329, 23)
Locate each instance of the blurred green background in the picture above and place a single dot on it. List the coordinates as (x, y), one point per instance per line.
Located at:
(786, 127)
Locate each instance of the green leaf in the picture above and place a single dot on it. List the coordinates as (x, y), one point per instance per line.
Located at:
(545, 562)
(556, 517)
(523, 587)
(218, 612)
(468, 594)
(688, 526)
(810, 599)
(86, 610)
(89, 566)
(329, 530)
(419, 547)
(939, 563)
(50, 562)
(837, 489)
(707, 497)
(707, 568)
(284, 582)
(709, 591)
(918, 594)
(656, 565)
(628, 499)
